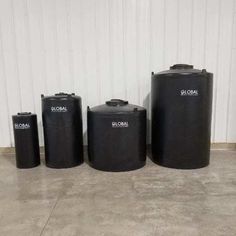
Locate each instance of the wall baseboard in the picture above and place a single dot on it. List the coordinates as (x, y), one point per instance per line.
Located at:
(214, 146)
(223, 146)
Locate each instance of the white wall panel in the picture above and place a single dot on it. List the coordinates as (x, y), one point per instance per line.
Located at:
(102, 40)
(231, 125)
(231, 128)
(157, 34)
(198, 35)
(143, 55)
(224, 67)
(185, 30)
(37, 56)
(171, 32)
(107, 49)
(130, 49)
(211, 49)
(10, 64)
(117, 48)
(5, 127)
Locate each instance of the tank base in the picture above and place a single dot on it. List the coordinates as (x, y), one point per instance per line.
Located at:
(28, 167)
(119, 170)
(181, 167)
(63, 167)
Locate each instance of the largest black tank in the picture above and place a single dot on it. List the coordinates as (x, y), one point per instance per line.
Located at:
(181, 117)
(62, 124)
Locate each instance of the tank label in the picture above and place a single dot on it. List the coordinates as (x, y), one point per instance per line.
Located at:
(22, 125)
(59, 109)
(120, 124)
(189, 92)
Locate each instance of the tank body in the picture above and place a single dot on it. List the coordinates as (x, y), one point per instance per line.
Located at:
(26, 140)
(117, 136)
(63, 135)
(181, 117)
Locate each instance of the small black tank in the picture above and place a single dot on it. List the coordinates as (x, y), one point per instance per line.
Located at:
(25, 129)
(63, 137)
(117, 136)
(181, 117)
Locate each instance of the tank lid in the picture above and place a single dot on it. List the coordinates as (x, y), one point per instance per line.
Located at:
(116, 102)
(24, 113)
(116, 106)
(61, 96)
(181, 66)
(182, 69)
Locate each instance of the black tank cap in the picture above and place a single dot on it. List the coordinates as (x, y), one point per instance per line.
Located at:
(116, 106)
(181, 70)
(181, 66)
(24, 113)
(61, 94)
(116, 102)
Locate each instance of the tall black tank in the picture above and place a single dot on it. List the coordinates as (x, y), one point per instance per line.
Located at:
(25, 129)
(117, 136)
(63, 137)
(181, 117)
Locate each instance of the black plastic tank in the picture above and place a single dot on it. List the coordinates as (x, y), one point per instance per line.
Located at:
(26, 140)
(117, 136)
(181, 117)
(63, 135)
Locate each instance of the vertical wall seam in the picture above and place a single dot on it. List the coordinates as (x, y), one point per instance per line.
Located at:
(217, 67)
(149, 68)
(191, 33)
(16, 54)
(56, 48)
(123, 49)
(5, 89)
(230, 71)
(43, 56)
(111, 69)
(164, 35)
(150, 45)
(69, 45)
(178, 34)
(96, 52)
(84, 56)
(205, 34)
(42, 39)
(150, 36)
(137, 54)
(26, 20)
(1, 84)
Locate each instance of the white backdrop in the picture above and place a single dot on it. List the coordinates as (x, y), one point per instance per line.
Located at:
(102, 49)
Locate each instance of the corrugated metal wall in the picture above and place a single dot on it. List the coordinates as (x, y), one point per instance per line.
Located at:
(103, 49)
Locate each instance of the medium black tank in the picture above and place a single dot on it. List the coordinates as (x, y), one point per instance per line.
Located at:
(26, 140)
(63, 137)
(117, 136)
(181, 117)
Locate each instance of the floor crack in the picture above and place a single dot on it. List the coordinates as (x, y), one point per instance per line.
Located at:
(54, 206)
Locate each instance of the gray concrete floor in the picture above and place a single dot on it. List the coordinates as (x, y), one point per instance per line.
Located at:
(150, 201)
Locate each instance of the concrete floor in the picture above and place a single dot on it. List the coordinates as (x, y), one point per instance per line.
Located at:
(150, 201)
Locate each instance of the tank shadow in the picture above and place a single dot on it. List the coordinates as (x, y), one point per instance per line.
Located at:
(147, 105)
(85, 147)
